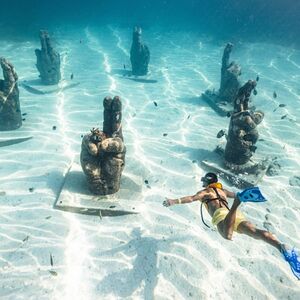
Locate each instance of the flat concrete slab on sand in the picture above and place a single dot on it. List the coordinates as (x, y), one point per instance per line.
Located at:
(215, 163)
(75, 196)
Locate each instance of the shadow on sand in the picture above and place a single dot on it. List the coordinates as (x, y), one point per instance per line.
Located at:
(144, 271)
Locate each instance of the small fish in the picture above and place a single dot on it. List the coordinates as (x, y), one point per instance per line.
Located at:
(165, 134)
(274, 95)
(146, 181)
(25, 114)
(188, 116)
(51, 260)
(221, 133)
(254, 92)
(25, 239)
(283, 117)
(53, 273)
(257, 78)
(280, 105)
(53, 127)
(124, 67)
(194, 161)
(23, 119)
(47, 218)
(155, 103)
(72, 76)
(31, 189)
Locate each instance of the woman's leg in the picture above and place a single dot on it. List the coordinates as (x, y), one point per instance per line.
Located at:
(259, 234)
(227, 225)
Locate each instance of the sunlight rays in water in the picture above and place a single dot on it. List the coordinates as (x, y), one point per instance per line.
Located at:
(95, 45)
(76, 244)
(119, 41)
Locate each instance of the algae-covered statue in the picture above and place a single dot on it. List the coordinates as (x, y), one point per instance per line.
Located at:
(139, 54)
(236, 162)
(230, 73)
(242, 134)
(10, 112)
(223, 100)
(103, 152)
(48, 61)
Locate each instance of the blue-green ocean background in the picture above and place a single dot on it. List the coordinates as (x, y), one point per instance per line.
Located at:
(277, 21)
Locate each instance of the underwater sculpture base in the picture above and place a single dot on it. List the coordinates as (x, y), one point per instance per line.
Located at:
(44, 90)
(76, 197)
(222, 108)
(239, 178)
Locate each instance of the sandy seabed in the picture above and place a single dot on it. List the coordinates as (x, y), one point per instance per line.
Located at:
(161, 253)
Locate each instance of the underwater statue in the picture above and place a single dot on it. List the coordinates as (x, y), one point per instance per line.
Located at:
(139, 54)
(242, 136)
(222, 102)
(242, 133)
(230, 73)
(48, 61)
(103, 152)
(10, 112)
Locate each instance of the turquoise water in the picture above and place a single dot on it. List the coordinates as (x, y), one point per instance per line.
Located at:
(160, 253)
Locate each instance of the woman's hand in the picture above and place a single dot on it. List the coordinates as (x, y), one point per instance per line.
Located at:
(169, 202)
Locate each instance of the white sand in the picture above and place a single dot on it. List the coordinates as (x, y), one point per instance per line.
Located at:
(161, 253)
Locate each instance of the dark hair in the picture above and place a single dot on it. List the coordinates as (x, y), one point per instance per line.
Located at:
(210, 178)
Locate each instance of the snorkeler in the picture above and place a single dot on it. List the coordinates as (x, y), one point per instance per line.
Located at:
(227, 220)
